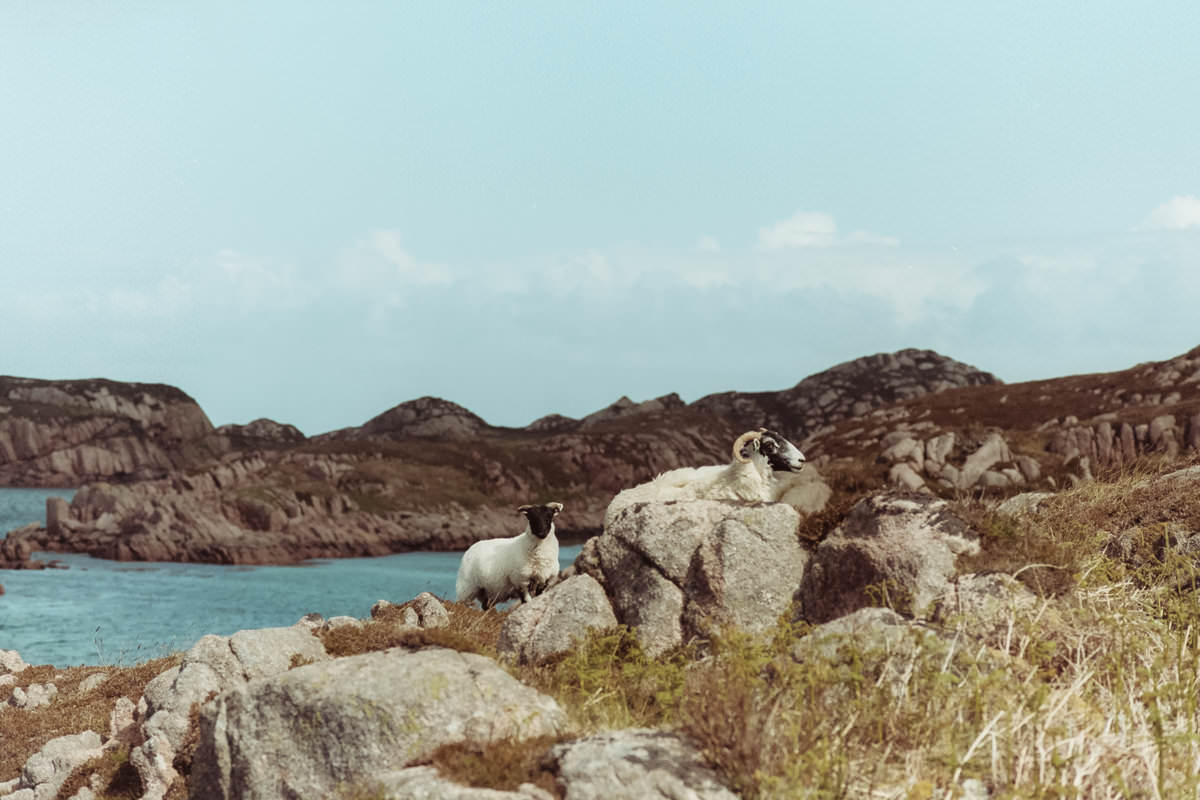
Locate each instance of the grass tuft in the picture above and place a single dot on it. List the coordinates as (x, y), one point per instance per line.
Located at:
(503, 765)
(469, 631)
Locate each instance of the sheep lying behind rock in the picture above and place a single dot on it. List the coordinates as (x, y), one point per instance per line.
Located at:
(496, 570)
(750, 476)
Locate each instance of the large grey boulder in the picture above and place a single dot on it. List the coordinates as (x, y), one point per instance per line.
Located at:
(552, 622)
(212, 665)
(316, 729)
(636, 763)
(672, 570)
(896, 548)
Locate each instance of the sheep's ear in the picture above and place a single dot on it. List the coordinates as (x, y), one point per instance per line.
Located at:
(523, 509)
(556, 506)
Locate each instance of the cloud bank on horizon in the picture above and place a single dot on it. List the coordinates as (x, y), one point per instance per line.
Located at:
(538, 210)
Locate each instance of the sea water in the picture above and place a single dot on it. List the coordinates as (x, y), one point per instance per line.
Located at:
(111, 612)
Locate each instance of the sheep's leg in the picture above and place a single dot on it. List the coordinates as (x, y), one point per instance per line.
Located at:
(482, 596)
(525, 596)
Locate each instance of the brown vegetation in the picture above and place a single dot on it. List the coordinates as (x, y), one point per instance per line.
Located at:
(72, 711)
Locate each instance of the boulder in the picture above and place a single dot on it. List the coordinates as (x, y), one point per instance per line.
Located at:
(878, 633)
(993, 451)
(11, 662)
(672, 570)
(552, 622)
(894, 548)
(1024, 503)
(646, 764)
(211, 666)
(983, 605)
(1029, 467)
(906, 450)
(315, 729)
(47, 769)
(904, 476)
(430, 611)
(33, 696)
(938, 449)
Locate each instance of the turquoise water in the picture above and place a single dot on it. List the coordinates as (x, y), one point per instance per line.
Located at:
(107, 612)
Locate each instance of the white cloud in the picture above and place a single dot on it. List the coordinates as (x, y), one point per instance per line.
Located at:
(381, 262)
(1178, 213)
(590, 271)
(815, 229)
(708, 244)
(802, 229)
(868, 238)
(259, 281)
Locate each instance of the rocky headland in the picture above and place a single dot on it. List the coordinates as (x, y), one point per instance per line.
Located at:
(157, 482)
(64, 433)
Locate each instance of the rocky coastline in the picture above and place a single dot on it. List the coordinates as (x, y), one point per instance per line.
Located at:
(998, 600)
(737, 622)
(158, 482)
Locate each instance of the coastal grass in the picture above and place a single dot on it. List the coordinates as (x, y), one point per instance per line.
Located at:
(1096, 698)
(1092, 691)
(71, 711)
(502, 765)
(469, 630)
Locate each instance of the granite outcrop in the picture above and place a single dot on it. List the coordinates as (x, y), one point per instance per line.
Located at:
(62, 433)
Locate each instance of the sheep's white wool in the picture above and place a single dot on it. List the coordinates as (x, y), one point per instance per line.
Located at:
(495, 570)
(751, 479)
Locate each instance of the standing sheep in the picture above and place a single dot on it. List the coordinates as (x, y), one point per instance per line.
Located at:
(495, 570)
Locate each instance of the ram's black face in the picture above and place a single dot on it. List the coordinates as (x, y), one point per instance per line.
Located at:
(781, 454)
(541, 518)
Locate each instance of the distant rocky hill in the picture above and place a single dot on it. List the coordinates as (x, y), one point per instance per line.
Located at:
(1042, 434)
(430, 474)
(362, 496)
(61, 433)
(851, 389)
(425, 417)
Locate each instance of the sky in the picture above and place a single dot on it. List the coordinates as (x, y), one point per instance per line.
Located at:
(315, 211)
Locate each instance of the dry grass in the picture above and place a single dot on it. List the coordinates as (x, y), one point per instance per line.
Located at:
(71, 711)
(503, 765)
(469, 630)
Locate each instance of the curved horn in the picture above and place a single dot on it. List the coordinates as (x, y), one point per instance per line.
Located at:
(741, 442)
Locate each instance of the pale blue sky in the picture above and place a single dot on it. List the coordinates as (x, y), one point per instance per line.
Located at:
(315, 211)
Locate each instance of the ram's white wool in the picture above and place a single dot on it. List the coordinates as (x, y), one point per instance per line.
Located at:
(495, 570)
(749, 477)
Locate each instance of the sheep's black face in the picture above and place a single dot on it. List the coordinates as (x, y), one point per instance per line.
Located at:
(781, 454)
(541, 518)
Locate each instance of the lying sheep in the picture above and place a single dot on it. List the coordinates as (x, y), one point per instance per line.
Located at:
(750, 476)
(496, 570)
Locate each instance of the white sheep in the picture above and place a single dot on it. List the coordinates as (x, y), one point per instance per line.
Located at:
(495, 570)
(750, 476)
